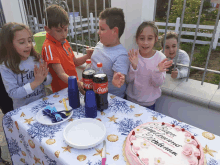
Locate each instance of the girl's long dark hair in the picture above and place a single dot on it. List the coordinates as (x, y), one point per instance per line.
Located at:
(8, 55)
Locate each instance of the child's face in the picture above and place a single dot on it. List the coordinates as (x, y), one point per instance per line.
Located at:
(22, 43)
(59, 33)
(170, 48)
(108, 37)
(146, 41)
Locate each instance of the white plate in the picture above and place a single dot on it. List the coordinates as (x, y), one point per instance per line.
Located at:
(45, 120)
(84, 133)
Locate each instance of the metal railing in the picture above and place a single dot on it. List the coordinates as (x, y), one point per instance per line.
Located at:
(33, 8)
(194, 42)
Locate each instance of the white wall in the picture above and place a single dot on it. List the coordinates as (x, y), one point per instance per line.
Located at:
(193, 114)
(136, 11)
(12, 11)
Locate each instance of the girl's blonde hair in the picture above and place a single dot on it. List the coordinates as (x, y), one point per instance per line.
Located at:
(8, 53)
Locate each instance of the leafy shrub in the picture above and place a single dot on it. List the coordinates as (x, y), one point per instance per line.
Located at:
(191, 11)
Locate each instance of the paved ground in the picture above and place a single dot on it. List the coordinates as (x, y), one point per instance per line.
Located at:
(4, 146)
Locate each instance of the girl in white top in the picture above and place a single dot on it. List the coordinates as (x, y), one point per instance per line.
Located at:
(170, 53)
(147, 69)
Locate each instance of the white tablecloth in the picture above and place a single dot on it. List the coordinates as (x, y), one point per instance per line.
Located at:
(31, 143)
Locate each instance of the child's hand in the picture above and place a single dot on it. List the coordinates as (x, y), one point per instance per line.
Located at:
(133, 58)
(163, 65)
(89, 52)
(118, 79)
(44, 67)
(174, 73)
(80, 86)
(39, 74)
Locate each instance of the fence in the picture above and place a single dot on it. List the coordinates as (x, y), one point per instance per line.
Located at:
(85, 24)
(36, 27)
(192, 26)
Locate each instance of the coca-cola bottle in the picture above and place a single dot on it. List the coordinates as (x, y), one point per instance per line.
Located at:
(100, 87)
(87, 76)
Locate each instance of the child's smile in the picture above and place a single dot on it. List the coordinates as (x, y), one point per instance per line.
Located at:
(146, 41)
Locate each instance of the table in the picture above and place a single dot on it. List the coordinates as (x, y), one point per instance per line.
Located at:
(31, 143)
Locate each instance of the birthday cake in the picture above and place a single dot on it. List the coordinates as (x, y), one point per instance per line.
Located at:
(157, 143)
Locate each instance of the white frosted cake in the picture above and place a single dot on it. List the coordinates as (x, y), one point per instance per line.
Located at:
(157, 143)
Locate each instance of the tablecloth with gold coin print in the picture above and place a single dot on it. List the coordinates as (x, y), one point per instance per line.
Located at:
(31, 143)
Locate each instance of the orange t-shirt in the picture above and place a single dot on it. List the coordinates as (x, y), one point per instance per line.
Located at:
(54, 52)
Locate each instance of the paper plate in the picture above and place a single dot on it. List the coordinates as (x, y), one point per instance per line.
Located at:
(84, 133)
(45, 120)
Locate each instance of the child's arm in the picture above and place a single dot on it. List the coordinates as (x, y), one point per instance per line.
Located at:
(81, 60)
(64, 77)
(158, 77)
(133, 58)
(60, 72)
(14, 90)
(118, 79)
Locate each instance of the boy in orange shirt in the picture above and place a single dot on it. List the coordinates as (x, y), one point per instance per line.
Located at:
(56, 50)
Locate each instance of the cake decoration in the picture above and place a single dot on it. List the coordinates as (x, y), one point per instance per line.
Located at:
(192, 162)
(145, 161)
(173, 145)
(158, 161)
(187, 150)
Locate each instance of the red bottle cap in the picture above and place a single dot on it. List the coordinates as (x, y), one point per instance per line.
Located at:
(99, 64)
(88, 61)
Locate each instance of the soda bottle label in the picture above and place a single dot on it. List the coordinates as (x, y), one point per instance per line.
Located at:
(100, 88)
(87, 83)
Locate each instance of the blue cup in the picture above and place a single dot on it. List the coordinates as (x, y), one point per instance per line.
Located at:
(73, 92)
(90, 105)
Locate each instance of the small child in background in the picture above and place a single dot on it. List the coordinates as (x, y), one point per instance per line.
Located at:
(148, 68)
(57, 51)
(110, 52)
(23, 73)
(170, 52)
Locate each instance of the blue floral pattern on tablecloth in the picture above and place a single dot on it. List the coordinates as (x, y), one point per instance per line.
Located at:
(33, 143)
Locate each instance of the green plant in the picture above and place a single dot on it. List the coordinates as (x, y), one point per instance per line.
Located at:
(200, 58)
(186, 46)
(191, 11)
(215, 79)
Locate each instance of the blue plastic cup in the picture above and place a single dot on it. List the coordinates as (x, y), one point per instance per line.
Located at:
(90, 105)
(73, 92)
